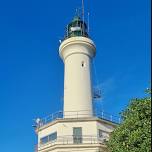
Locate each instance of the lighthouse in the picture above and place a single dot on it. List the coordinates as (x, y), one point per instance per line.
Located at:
(77, 51)
(76, 127)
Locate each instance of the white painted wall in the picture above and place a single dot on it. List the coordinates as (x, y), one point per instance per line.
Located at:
(64, 131)
(106, 129)
(77, 150)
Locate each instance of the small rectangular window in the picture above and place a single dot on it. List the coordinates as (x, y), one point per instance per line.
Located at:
(53, 136)
(100, 133)
(44, 140)
(83, 64)
(49, 138)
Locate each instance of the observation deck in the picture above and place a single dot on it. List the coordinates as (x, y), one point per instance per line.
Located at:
(75, 115)
(88, 141)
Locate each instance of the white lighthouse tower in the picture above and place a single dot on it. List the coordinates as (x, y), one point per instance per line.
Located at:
(77, 51)
(77, 128)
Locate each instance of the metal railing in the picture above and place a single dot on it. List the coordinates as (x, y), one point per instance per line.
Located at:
(72, 140)
(36, 148)
(76, 115)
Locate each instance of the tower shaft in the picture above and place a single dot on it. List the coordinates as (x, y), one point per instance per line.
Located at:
(77, 53)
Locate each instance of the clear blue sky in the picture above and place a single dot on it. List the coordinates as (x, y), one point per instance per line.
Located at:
(31, 72)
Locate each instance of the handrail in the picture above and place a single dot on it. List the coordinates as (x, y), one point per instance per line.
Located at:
(76, 115)
(70, 140)
(36, 148)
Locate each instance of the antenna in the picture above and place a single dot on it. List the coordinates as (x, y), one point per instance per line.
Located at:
(77, 11)
(88, 22)
(83, 10)
(83, 14)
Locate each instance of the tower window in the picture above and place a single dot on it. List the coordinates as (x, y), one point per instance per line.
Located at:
(83, 64)
(44, 140)
(100, 133)
(49, 138)
(53, 136)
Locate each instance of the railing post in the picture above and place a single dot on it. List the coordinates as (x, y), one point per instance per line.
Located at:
(119, 120)
(111, 117)
(52, 116)
(102, 114)
(45, 120)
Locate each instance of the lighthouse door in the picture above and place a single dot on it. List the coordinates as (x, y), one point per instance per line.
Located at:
(77, 135)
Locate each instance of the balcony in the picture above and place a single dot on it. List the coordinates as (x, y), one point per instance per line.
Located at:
(76, 115)
(73, 142)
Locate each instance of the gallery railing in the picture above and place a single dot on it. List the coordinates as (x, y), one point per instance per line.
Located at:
(75, 115)
(73, 140)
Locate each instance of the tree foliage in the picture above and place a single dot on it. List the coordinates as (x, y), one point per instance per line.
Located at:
(134, 133)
